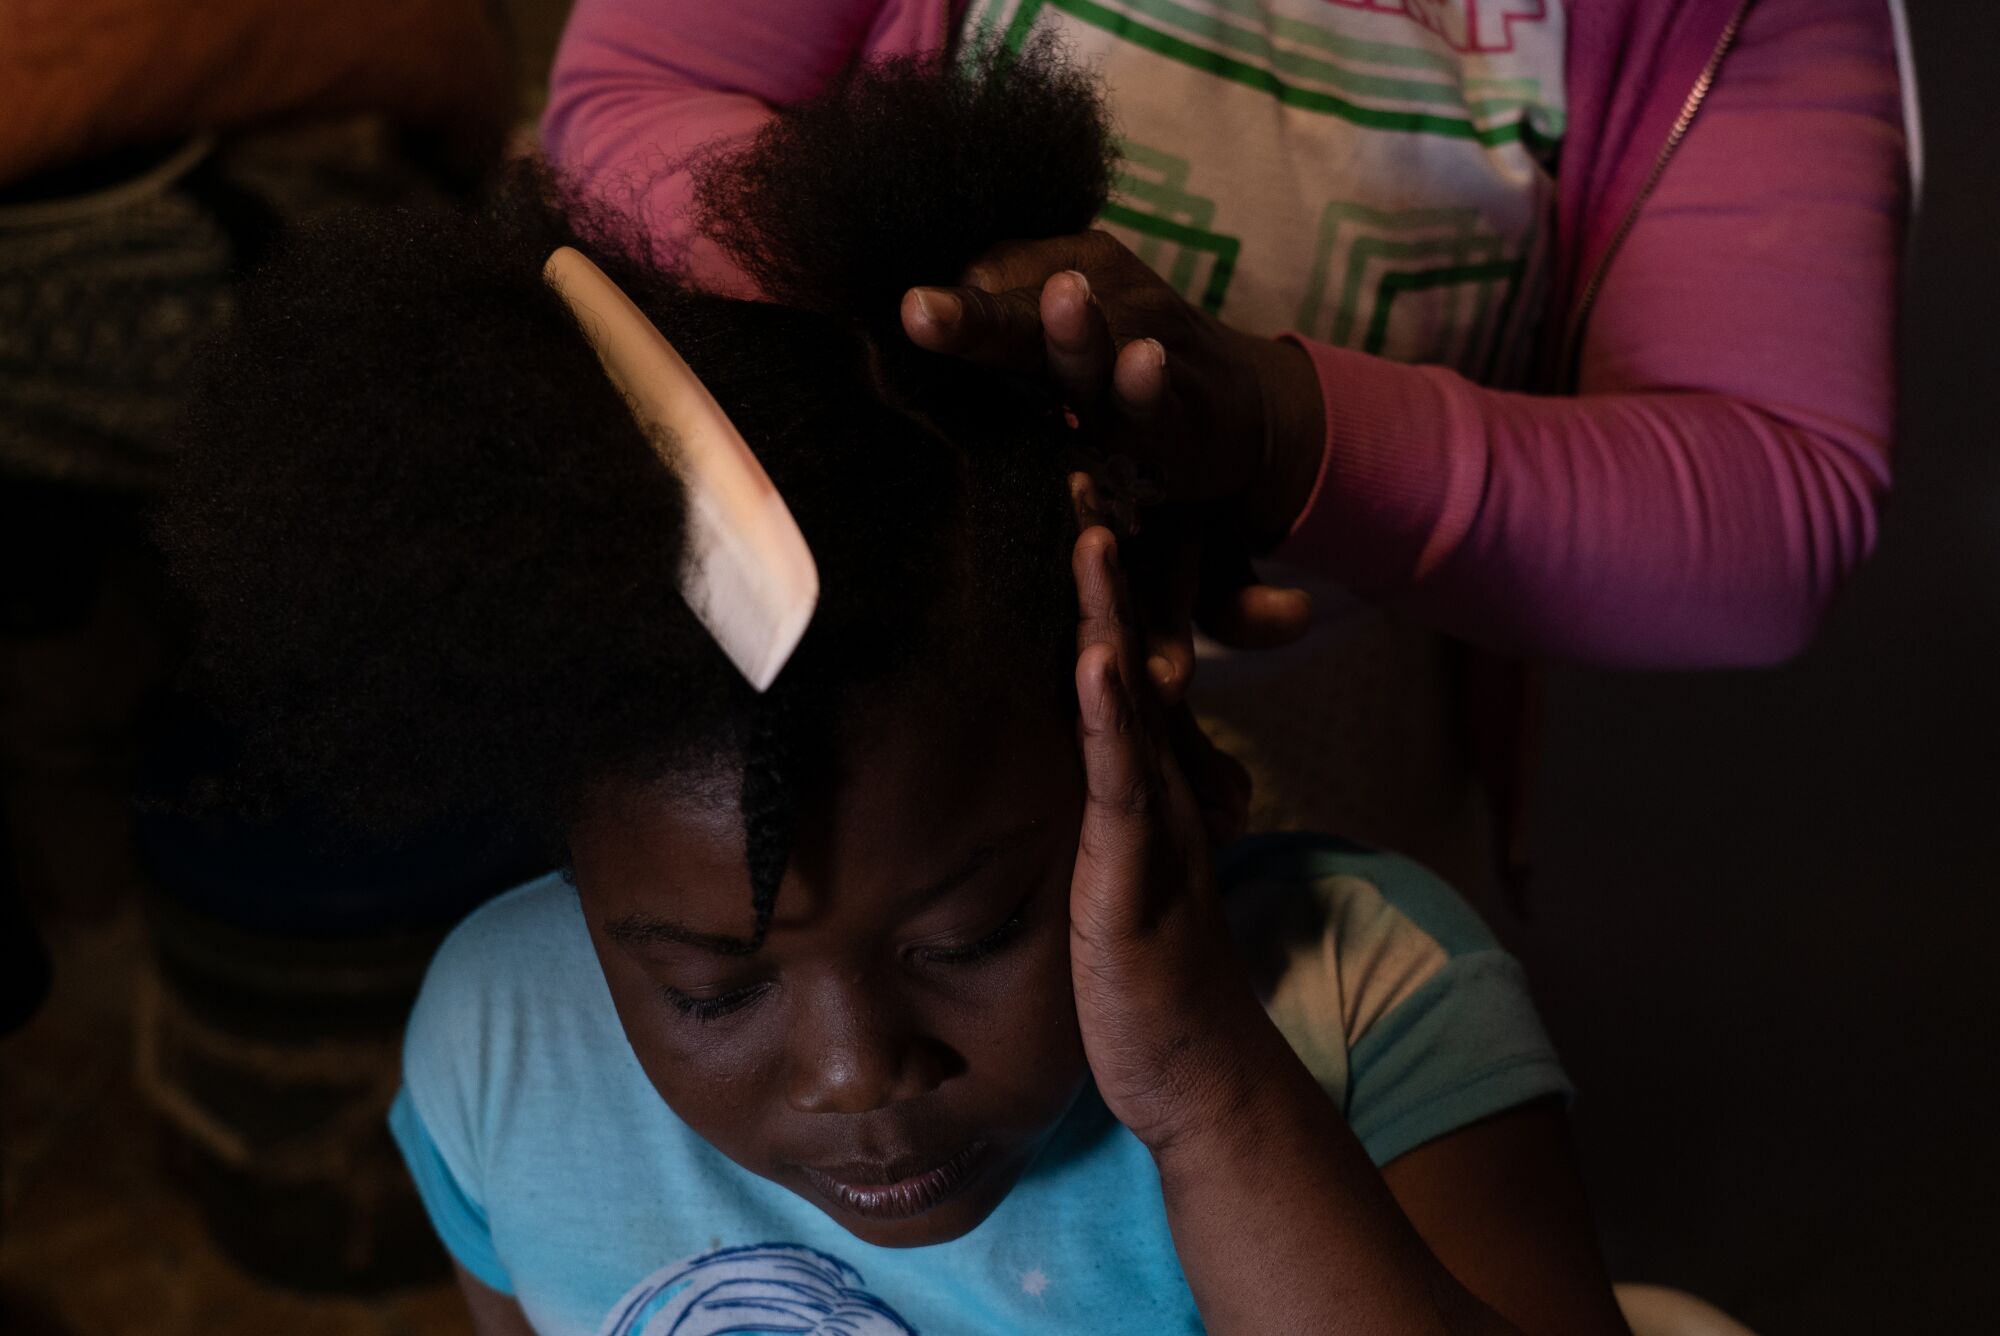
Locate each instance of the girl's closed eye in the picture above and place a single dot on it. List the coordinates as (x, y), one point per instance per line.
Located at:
(704, 1008)
(984, 947)
(716, 1007)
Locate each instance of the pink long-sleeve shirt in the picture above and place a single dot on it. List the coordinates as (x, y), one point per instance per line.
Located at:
(1715, 465)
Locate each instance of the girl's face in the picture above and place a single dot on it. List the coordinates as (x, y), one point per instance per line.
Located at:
(905, 1040)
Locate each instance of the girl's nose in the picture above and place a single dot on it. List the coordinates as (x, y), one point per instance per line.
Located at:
(853, 1054)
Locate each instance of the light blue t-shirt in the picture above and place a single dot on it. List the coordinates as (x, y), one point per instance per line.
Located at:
(554, 1171)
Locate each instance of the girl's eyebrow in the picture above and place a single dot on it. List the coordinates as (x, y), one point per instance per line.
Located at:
(644, 930)
(975, 862)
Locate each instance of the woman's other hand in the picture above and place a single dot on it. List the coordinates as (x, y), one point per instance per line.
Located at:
(1221, 417)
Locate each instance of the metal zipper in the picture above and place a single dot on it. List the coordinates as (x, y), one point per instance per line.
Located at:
(1573, 343)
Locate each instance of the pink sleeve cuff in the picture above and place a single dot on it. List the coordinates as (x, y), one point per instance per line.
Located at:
(1392, 497)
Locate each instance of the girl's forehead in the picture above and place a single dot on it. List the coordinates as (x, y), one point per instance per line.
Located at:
(920, 800)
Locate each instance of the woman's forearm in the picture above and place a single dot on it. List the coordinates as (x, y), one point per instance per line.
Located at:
(1283, 1224)
(1647, 530)
(1718, 474)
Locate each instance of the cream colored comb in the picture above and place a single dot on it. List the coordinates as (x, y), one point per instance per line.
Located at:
(749, 577)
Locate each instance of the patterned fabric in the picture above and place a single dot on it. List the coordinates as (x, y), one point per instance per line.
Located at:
(1369, 173)
(553, 1170)
(1372, 174)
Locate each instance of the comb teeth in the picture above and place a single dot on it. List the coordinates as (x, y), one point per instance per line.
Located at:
(749, 576)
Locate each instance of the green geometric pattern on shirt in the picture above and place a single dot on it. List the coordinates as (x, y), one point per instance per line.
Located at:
(1365, 259)
(1170, 227)
(1377, 85)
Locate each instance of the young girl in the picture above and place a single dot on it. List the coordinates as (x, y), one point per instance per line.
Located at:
(900, 997)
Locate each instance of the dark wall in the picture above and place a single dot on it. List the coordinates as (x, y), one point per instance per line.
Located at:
(1766, 922)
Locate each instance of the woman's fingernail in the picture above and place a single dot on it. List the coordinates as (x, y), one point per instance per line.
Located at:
(1081, 281)
(939, 307)
(1161, 669)
(1159, 351)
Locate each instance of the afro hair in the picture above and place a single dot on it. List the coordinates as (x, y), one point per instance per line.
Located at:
(436, 561)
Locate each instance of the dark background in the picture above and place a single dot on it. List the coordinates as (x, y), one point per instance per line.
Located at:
(1764, 916)
(1767, 905)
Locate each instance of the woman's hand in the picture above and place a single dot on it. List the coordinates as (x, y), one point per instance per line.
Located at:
(1222, 417)
(1160, 995)
(1232, 425)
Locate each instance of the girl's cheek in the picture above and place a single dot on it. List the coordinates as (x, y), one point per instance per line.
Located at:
(1042, 1014)
(690, 1062)
(725, 1092)
(738, 1052)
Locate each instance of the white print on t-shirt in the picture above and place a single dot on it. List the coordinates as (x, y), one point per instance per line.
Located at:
(779, 1287)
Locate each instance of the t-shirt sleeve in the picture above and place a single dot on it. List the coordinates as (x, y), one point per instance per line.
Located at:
(457, 1216)
(1465, 1046)
(1390, 988)
(453, 1061)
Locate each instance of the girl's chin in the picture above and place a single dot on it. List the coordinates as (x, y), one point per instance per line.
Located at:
(940, 1225)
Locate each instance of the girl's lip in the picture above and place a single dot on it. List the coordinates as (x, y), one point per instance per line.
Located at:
(870, 1191)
